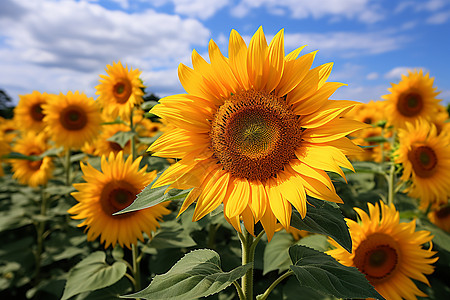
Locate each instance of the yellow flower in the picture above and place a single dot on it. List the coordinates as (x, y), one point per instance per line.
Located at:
(72, 120)
(109, 191)
(412, 98)
(255, 132)
(441, 217)
(369, 113)
(28, 113)
(104, 147)
(120, 91)
(9, 130)
(389, 253)
(425, 157)
(32, 173)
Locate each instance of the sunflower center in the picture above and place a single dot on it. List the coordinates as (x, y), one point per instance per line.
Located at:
(36, 112)
(367, 120)
(34, 165)
(410, 104)
(115, 146)
(424, 161)
(377, 257)
(117, 195)
(443, 213)
(73, 118)
(254, 135)
(122, 90)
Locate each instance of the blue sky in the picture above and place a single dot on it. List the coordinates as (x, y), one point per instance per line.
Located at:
(60, 45)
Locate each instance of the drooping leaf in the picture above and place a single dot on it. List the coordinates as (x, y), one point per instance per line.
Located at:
(276, 253)
(171, 235)
(150, 197)
(324, 274)
(93, 273)
(122, 137)
(197, 274)
(323, 218)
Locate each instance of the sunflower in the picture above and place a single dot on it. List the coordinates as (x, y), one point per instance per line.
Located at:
(120, 90)
(32, 173)
(103, 146)
(412, 98)
(425, 157)
(369, 113)
(72, 120)
(441, 217)
(110, 191)
(28, 112)
(255, 132)
(389, 253)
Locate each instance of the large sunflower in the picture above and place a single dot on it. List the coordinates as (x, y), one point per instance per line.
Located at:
(425, 157)
(389, 253)
(412, 98)
(32, 173)
(72, 120)
(109, 191)
(28, 113)
(120, 90)
(255, 132)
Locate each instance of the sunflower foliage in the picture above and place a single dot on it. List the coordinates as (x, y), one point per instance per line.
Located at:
(132, 196)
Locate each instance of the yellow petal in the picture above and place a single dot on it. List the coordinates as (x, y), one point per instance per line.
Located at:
(294, 72)
(257, 63)
(276, 61)
(280, 207)
(239, 197)
(316, 101)
(237, 52)
(222, 69)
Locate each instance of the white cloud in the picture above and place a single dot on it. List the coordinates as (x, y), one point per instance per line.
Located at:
(201, 9)
(359, 92)
(372, 76)
(439, 18)
(362, 10)
(397, 72)
(48, 42)
(348, 44)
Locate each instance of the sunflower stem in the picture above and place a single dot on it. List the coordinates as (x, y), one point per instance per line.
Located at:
(391, 175)
(40, 232)
(248, 257)
(68, 152)
(133, 140)
(136, 268)
(274, 284)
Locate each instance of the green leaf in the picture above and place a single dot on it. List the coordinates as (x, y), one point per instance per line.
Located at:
(171, 235)
(197, 274)
(441, 238)
(93, 273)
(276, 253)
(324, 274)
(150, 197)
(17, 155)
(323, 218)
(122, 137)
(147, 105)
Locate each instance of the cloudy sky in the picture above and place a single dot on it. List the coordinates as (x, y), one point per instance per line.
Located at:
(63, 45)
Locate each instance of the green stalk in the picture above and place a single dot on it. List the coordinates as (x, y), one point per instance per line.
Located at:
(274, 284)
(133, 140)
(136, 268)
(68, 152)
(40, 232)
(391, 183)
(248, 257)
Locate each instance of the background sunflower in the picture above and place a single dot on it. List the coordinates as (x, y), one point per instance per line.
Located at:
(389, 253)
(72, 120)
(110, 191)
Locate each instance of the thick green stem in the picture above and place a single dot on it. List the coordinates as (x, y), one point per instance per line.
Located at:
(391, 183)
(40, 232)
(133, 139)
(248, 257)
(274, 284)
(68, 166)
(136, 268)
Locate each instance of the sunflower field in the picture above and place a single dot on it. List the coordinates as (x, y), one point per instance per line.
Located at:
(253, 184)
